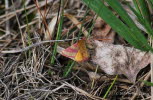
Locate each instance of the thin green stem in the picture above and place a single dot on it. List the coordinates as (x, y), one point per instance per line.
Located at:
(59, 31)
(68, 68)
(110, 87)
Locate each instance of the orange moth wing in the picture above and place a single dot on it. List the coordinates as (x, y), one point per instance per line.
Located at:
(78, 51)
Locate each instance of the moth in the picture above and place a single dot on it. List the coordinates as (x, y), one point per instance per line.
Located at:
(77, 52)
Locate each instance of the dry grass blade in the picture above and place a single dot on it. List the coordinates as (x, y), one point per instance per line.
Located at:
(7, 22)
(33, 45)
(77, 23)
(142, 84)
(43, 3)
(84, 92)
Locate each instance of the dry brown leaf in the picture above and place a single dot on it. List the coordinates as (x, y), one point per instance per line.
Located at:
(102, 31)
(118, 59)
(51, 28)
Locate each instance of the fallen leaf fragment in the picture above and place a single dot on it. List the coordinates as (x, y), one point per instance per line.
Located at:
(118, 59)
(102, 31)
(51, 28)
(78, 51)
(101, 28)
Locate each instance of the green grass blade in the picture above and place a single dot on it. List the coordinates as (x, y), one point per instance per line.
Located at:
(110, 87)
(123, 14)
(143, 6)
(139, 17)
(59, 31)
(143, 22)
(136, 7)
(57, 38)
(135, 38)
(68, 68)
(147, 83)
(150, 3)
(126, 18)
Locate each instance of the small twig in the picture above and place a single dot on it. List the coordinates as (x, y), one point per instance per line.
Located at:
(33, 45)
(14, 37)
(22, 9)
(142, 84)
(30, 23)
(43, 17)
(7, 22)
(44, 90)
(7, 18)
(3, 36)
(18, 24)
(83, 92)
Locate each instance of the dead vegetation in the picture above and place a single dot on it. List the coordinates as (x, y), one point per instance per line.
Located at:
(28, 30)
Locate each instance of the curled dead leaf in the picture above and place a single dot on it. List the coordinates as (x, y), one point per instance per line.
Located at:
(103, 31)
(118, 59)
(51, 28)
